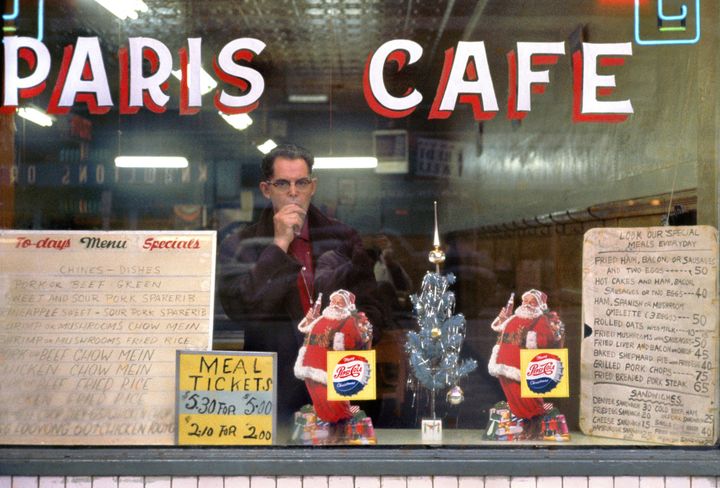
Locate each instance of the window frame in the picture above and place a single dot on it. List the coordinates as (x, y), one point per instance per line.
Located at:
(514, 460)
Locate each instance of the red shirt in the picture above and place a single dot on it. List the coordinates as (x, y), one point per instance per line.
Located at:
(301, 249)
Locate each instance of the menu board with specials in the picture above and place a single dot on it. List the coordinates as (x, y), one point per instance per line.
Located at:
(89, 326)
(649, 359)
(226, 398)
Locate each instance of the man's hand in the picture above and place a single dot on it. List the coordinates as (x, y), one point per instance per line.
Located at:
(287, 223)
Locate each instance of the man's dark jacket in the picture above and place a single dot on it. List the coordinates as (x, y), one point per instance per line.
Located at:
(258, 288)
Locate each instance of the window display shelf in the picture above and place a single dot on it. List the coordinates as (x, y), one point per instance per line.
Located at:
(475, 437)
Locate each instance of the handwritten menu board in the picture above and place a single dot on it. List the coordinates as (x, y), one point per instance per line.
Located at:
(226, 398)
(650, 364)
(89, 326)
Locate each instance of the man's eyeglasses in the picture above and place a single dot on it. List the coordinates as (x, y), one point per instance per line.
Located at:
(302, 184)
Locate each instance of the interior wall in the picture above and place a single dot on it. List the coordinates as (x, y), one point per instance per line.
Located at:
(546, 163)
(708, 140)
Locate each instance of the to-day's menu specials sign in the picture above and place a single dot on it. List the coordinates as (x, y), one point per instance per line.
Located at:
(226, 398)
(650, 366)
(89, 326)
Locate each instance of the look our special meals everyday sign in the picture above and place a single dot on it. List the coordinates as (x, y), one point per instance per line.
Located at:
(649, 362)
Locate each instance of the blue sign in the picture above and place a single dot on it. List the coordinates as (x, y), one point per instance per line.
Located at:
(666, 34)
(40, 17)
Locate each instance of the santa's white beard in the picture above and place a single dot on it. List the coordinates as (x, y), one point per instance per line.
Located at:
(528, 311)
(336, 313)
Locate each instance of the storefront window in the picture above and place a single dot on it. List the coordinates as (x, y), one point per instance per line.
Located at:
(530, 124)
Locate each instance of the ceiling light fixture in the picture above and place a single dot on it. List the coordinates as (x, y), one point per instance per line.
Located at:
(207, 82)
(124, 9)
(267, 146)
(350, 162)
(311, 98)
(151, 162)
(35, 115)
(238, 121)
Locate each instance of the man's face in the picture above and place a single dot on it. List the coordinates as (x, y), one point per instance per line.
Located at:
(289, 171)
(530, 301)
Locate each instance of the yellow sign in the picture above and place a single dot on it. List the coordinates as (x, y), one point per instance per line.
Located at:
(226, 398)
(544, 373)
(351, 375)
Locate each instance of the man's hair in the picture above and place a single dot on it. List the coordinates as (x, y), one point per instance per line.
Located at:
(286, 151)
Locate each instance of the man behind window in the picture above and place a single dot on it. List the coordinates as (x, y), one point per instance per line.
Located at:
(273, 270)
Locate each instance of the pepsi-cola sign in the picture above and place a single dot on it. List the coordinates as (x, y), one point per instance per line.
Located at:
(350, 375)
(543, 373)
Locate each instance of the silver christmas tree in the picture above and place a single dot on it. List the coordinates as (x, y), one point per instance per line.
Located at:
(434, 350)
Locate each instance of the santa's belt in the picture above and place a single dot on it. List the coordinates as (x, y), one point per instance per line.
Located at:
(319, 340)
(510, 339)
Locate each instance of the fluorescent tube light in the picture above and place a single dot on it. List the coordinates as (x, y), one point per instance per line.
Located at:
(352, 162)
(124, 9)
(151, 162)
(35, 115)
(319, 98)
(267, 146)
(238, 121)
(207, 82)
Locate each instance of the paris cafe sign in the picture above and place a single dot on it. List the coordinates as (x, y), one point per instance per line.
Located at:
(465, 78)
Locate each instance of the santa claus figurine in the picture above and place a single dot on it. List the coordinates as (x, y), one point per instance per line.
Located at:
(340, 327)
(531, 326)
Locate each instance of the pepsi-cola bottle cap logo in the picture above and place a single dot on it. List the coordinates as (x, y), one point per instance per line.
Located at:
(543, 373)
(350, 375)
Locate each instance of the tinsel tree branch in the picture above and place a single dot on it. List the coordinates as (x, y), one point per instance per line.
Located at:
(434, 350)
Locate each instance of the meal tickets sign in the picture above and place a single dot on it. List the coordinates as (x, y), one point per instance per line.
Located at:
(226, 398)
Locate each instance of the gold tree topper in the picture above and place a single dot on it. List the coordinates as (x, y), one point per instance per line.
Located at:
(436, 255)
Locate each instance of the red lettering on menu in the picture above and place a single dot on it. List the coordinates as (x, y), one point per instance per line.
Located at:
(46, 243)
(152, 244)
